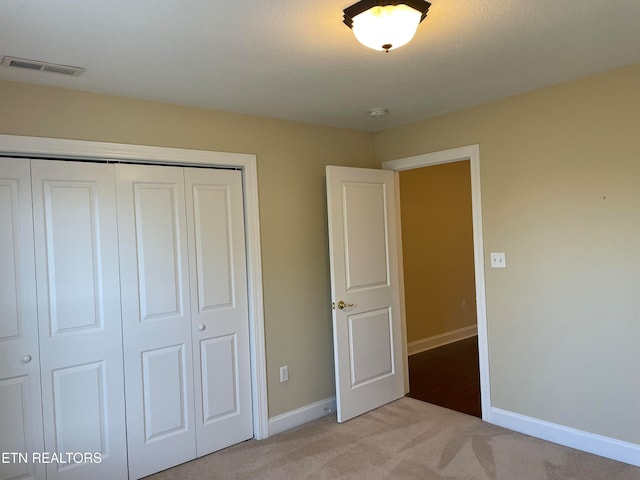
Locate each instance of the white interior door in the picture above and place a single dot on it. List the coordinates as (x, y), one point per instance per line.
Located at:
(156, 317)
(20, 400)
(219, 309)
(365, 289)
(76, 251)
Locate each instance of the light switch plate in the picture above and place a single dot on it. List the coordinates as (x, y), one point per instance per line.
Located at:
(498, 260)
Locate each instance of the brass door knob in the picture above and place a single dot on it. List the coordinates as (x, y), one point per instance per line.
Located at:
(342, 305)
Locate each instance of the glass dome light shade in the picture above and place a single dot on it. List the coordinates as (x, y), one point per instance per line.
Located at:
(386, 27)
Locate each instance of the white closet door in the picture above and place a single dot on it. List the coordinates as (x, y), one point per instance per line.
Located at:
(20, 401)
(220, 326)
(79, 316)
(156, 317)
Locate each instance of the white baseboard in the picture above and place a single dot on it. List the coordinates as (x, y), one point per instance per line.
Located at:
(569, 437)
(302, 415)
(425, 344)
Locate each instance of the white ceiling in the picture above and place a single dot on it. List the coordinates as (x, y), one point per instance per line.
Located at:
(294, 59)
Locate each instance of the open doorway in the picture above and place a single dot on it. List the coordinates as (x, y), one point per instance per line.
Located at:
(453, 348)
(439, 286)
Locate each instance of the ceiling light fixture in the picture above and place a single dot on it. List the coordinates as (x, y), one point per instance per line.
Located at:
(385, 25)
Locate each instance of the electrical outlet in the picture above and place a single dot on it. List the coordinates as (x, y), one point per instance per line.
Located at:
(284, 373)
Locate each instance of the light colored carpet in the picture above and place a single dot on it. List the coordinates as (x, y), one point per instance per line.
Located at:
(406, 439)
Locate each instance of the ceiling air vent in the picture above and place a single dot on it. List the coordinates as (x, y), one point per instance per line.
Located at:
(41, 66)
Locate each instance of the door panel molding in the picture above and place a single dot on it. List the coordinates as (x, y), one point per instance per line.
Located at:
(164, 375)
(79, 395)
(379, 324)
(73, 234)
(214, 352)
(158, 270)
(25, 147)
(215, 255)
(365, 235)
(471, 153)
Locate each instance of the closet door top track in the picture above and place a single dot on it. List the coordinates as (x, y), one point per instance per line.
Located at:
(125, 162)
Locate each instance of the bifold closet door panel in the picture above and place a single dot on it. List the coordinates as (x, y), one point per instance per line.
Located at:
(20, 400)
(217, 268)
(219, 310)
(156, 317)
(76, 251)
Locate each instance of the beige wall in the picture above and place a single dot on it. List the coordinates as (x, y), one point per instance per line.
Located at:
(561, 196)
(437, 249)
(291, 160)
(560, 176)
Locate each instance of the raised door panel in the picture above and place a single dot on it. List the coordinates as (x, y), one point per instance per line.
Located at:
(156, 317)
(11, 322)
(71, 232)
(366, 250)
(370, 332)
(220, 324)
(213, 249)
(164, 395)
(158, 248)
(15, 439)
(21, 433)
(79, 317)
(79, 399)
(364, 274)
(218, 363)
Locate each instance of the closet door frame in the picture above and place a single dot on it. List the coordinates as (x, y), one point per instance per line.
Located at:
(51, 148)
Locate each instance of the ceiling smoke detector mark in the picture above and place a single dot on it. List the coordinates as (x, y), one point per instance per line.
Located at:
(378, 112)
(41, 66)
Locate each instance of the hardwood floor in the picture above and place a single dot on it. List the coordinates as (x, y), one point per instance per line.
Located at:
(448, 376)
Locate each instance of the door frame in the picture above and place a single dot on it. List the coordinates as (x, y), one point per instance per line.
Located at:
(52, 148)
(471, 153)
